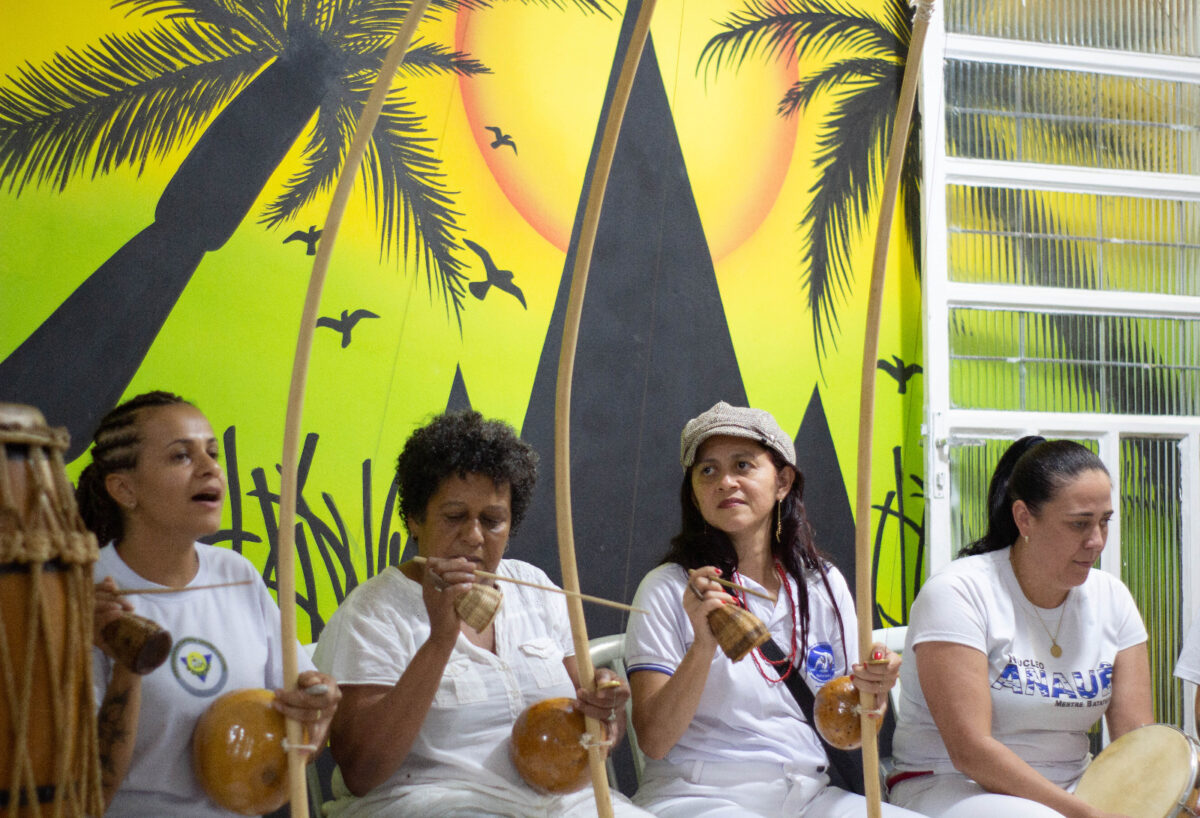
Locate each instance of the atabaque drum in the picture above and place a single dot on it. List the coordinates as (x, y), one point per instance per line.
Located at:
(49, 762)
(1150, 772)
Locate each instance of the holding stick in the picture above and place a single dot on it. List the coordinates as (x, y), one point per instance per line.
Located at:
(586, 597)
(289, 478)
(734, 586)
(864, 586)
(128, 591)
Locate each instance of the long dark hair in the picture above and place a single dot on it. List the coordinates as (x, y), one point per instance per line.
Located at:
(116, 444)
(697, 544)
(1033, 470)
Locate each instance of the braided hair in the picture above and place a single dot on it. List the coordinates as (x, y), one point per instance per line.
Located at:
(115, 447)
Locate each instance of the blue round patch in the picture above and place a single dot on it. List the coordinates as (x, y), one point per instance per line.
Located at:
(199, 667)
(819, 663)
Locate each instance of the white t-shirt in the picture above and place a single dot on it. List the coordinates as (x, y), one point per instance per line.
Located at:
(224, 639)
(741, 717)
(1042, 707)
(375, 633)
(1188, 666)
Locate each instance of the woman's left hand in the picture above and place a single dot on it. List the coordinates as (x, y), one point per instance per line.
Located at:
(877, 676)
(312, 703)
(607, 702)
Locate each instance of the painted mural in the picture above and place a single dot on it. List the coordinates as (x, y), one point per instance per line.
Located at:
(165, 167)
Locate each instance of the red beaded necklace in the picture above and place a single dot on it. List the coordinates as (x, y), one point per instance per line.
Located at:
(776, 677)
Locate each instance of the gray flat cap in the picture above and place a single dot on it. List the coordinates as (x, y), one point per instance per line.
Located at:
(736, 421)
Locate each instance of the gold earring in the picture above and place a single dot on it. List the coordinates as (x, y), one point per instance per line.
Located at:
(778, 520)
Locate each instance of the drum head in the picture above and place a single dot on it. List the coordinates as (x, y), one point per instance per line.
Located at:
(1146, 773)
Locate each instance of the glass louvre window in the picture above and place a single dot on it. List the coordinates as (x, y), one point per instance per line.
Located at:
(972, 461)
(1058, 117)
(971, 465)
(1062, 362)
(1151, 558)
(1167, 27)
(1077, 240)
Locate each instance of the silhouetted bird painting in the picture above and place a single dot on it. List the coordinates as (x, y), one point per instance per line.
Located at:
(501, 279)
(309, 238)
(502, 138)
(346, 323)
(900, 371)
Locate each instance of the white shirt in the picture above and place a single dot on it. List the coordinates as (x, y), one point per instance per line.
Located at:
(1188, 666)
(1042, 706)
(224, 639)
(741, 716)
(375, 633)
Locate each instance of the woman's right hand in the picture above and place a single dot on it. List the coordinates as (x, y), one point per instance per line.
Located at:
(701, 597)
(109, 607)
(444, 582)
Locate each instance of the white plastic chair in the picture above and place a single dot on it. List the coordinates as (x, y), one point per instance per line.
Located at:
(609, 651)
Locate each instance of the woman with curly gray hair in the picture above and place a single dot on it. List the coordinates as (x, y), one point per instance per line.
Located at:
(429, 702)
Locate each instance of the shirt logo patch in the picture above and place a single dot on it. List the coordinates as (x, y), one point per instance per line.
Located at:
(820, 664)
(1089, 687)
(199, 667)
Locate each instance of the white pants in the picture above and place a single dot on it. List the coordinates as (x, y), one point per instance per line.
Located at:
(953, 795)
(732, 790)
(463, 799)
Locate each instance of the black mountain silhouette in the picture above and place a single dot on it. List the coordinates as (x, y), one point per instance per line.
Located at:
(654, 349)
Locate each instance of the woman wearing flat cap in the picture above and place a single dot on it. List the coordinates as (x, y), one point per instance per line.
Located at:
(729, 738)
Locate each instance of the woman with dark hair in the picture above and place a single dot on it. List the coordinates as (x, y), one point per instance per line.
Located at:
(1016, 649)
(153, 487)
(726, 738)
(429, 701)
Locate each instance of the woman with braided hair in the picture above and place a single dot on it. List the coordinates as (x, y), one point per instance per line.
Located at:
(154, 487)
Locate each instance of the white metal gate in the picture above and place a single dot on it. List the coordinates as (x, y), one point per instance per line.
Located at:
(1062, 276)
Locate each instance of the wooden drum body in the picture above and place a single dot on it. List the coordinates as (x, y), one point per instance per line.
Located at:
(48, 754)
(1150, 772)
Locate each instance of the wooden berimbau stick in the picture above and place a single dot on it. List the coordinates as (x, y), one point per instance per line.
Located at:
(743, 589)
(128, 591)
(586, 597)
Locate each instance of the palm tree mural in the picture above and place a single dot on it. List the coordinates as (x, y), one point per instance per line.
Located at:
(863, 73)
(130, 100)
